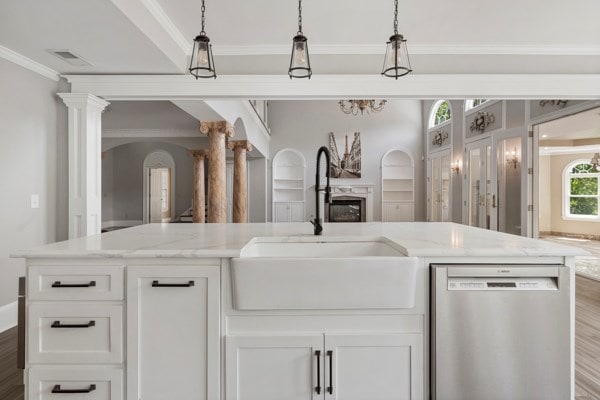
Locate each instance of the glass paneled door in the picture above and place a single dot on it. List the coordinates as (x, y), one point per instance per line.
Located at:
(481, 197)
(439, 186)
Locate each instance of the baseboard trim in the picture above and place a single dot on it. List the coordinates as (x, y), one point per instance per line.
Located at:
(127, 223)
(570, 235)
(8, 316)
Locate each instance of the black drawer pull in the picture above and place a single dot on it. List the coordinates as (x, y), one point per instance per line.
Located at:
(157, 284)
(67, 285)
(57, 324)
(57, 389)
(318, 387)
(330, 387)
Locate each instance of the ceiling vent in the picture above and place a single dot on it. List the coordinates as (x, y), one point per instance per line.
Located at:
(70, 58)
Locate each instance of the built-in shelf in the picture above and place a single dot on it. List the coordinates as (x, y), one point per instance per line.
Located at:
(288, 185)
(397, 186)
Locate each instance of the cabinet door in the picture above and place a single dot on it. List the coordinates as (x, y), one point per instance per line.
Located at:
(282, 212)
(374, 367)
(173, 332)
(397, 212)
(274, 367)
(297, 212)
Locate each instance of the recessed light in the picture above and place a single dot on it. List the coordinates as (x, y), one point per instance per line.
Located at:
(544, 136)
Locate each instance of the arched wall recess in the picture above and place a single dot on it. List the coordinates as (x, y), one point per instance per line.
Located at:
(158, 159)
(397, 186)
(289, 186)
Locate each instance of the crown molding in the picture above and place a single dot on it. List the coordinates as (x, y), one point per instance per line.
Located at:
(28, 63)
(423, 49)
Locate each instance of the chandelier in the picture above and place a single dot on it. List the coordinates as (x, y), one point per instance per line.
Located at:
(368, 106)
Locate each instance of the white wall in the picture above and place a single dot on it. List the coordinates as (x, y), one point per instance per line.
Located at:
(125, 164)
(32, 143)
(305, 126)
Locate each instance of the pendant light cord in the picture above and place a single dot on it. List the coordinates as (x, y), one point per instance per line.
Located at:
(202, 32)
(395, 17)
(299, 17)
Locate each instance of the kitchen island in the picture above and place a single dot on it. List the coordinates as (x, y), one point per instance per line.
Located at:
(250, 311)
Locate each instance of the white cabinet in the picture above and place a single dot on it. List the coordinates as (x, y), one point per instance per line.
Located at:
(334, 367)
(288, 186)
(173, 332)
(288, 212)
(273, 367)
(75, 383)
(397, 187)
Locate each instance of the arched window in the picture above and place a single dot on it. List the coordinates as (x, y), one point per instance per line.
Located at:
(472, 103)
(581, 194)
(440, 113)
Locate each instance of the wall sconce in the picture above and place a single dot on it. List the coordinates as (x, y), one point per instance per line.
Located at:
(455, 167)
(512, 158)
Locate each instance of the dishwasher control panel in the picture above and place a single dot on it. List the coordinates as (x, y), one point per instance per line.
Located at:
(489, 283)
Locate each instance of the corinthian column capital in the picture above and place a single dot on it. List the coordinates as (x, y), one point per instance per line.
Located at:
(212, 127)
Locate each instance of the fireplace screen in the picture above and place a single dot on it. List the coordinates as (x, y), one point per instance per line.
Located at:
(345, 211)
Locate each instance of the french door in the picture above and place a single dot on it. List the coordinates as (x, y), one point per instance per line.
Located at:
(481, 196)
(439, 186)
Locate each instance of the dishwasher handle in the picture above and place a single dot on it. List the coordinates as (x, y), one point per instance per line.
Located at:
(504, 271)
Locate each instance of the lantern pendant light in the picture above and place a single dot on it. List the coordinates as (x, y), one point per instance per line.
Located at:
(202, 64)
(396, 62)
(300, 62)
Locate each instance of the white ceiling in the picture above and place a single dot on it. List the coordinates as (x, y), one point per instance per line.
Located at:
(345, 36)
(583, 125)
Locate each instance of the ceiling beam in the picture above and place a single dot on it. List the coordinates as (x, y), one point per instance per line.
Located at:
(280, 87)
(152, 21)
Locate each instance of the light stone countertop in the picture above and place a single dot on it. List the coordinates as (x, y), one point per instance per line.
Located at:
(225, 240)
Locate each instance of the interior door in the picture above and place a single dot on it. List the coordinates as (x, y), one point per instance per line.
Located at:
(436, 195)
(439, 186)
(481, 197)
(511, 182)
(445, 182)
(159, 195)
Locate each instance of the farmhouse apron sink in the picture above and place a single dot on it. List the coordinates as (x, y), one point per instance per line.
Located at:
(307, 273)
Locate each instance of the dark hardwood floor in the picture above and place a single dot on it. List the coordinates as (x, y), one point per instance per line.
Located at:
(11, 378)
(587, 348)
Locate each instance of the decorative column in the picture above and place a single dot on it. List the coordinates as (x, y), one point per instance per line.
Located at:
(217, 131)
(85, 170)
(240, 179)
(199, 198)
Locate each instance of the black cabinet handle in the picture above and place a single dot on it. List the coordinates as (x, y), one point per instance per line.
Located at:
(158, 284)
(68, 285)
(318, 387)
(330, 387)
(57, 324)
(57, 389)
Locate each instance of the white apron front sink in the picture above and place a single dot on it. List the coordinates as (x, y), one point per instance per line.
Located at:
(307, 274)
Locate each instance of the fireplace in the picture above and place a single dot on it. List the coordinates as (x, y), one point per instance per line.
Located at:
(346, 210)
(349, 204)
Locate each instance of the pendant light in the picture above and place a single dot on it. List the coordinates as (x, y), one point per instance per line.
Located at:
(300, 62)
(396, 63)
(202, 64)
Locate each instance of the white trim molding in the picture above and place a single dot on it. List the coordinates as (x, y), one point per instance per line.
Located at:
(8, 316)
(280, 87)
(28, 63)
(421, 49)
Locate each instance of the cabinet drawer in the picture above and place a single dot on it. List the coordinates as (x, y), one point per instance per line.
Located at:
(85, 282)
(62, 333)
(102, 384)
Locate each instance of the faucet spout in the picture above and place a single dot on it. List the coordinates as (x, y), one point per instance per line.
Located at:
(317, 222)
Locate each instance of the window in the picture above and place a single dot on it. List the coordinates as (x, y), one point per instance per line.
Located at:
(440, 113)
(581, 190)
(472, 103)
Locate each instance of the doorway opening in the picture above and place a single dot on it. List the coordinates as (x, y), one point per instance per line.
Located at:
(159, 195)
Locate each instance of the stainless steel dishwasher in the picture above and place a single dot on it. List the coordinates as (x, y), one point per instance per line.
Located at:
(500, 332)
